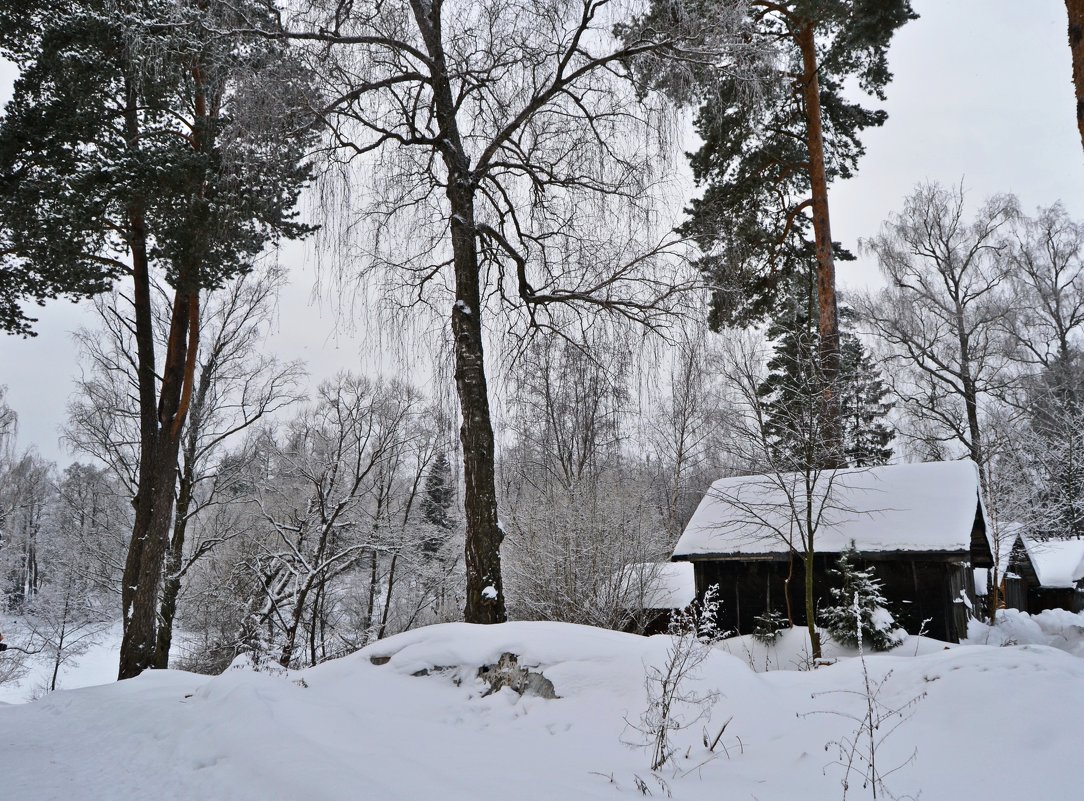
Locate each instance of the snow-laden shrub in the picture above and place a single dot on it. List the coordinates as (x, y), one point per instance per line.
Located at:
(879, 629)
(673, 703)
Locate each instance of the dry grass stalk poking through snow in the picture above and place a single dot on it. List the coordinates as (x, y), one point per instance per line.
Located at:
(673, 704)
(856, 751)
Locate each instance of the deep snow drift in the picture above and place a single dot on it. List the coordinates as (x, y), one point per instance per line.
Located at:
(986, 722)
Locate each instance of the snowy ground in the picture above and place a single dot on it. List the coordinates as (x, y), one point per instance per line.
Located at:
(1054, 627)
(982, 722)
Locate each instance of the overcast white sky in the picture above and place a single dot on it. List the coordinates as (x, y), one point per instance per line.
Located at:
(982, 93)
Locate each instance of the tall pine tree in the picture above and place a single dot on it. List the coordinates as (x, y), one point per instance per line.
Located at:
(791, 390)
(141, 139)
(864, 406)
(769, 155)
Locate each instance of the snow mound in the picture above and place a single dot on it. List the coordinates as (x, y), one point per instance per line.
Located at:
(366, 727)
(1056, 628)
(791, 650)
(467, 644)
(98, 665)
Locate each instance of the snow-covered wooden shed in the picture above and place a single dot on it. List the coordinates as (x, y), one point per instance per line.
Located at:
(922, 526)
(1058, 578)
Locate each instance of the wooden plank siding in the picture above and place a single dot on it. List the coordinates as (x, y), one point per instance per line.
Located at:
(1014, 593)
(922, 590)
(1042, 598)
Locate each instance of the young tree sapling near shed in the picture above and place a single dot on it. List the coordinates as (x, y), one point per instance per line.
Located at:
(859, 607)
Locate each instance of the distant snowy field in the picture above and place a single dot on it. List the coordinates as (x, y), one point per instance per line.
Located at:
(97, 666)
(982, 721)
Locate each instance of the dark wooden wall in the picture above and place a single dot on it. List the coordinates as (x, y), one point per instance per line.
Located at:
(918, 591)
(1043, 598)
(1014, 593)
(649, 621)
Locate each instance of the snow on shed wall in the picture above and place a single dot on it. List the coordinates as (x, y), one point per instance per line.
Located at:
(928, 507)
(674, 587)
(659, 585)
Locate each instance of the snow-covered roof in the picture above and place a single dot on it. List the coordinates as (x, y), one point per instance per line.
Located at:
(926, 508)
(660, 585)
(1007, 533)
(1058, 563)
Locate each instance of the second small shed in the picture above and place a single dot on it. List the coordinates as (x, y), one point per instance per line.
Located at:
(653, 592)
(1058, 578)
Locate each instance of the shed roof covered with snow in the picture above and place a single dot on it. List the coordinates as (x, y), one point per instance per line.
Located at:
(1058, 563)
(928, 508)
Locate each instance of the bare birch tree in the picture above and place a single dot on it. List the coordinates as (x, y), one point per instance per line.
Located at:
(9, 423)
(70, 614)
(1046, 255)
(579, 511)
(317, 511)
(514, 165)
(943, 318)
(1044, 455)
(943, 312)
(684, 428)
(94, 512)
(26, 494)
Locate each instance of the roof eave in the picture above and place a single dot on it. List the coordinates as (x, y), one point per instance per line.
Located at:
(963, 555)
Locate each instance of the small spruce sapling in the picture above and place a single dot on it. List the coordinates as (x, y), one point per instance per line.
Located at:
(769, 626)
(878, 627)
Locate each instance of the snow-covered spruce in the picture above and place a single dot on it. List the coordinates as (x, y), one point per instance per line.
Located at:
(878, 627)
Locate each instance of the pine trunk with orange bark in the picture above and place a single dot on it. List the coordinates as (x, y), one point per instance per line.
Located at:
(157, 485)
(162, 411)
(1075, 8)
(827, 306)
